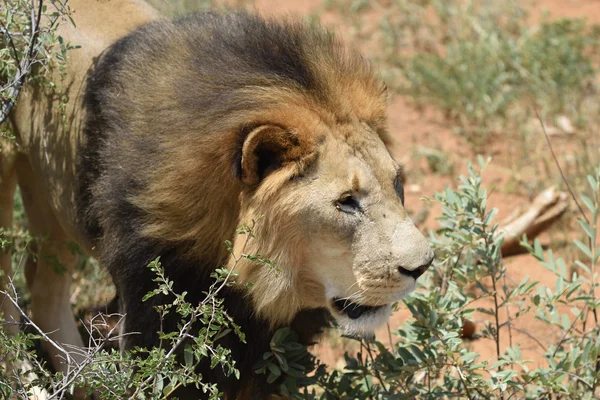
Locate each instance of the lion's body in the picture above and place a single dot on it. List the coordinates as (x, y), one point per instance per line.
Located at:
(183, 130)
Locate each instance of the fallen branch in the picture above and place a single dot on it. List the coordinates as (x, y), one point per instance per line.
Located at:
(543, 212)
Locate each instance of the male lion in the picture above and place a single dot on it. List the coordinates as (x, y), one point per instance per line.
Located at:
(180, 131)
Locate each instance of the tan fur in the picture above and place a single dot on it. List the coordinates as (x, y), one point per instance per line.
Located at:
(8, 181)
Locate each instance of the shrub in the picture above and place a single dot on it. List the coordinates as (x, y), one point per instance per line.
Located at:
(29, 48)
(431, 360)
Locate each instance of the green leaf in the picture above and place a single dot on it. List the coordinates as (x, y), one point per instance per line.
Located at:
(593, 183)
(188, 356)
(590, 232)
(274, 369)
(583, 248)
(589, 203)
(159, 384)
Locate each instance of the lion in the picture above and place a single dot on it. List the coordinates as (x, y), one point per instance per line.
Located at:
(179, 131)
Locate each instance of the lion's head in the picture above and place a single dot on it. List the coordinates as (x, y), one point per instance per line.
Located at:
(285, 126)
(329, 201)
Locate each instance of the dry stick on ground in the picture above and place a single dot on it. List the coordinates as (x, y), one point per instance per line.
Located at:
(544, 211)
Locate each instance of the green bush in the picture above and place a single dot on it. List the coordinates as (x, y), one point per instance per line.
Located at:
(430, 359)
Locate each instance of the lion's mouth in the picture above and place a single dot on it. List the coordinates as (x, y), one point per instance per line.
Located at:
(354, 310)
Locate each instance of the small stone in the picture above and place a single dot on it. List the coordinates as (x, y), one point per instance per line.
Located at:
(565, 124)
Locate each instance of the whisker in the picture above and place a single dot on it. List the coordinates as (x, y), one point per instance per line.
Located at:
(354, 298)
(351, 286)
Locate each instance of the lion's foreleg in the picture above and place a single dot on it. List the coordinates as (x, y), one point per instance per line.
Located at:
(49, 275)
(8, 181)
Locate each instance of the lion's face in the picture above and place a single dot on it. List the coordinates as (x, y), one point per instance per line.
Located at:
(363, 247)
(338, 230)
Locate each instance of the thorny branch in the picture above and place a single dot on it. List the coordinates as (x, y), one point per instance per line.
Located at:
(25, 65)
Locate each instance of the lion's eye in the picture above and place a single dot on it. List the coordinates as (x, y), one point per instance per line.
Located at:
(347, 204)
(399, 188)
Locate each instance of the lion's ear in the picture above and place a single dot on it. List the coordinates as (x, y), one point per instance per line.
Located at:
(266, 149)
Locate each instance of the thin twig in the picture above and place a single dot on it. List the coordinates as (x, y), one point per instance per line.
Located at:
(508, 322)
(564, 178)
(462, 379)
(27, 63)
(12, 45)
(594, 311)
(37, 328)
(381, 380)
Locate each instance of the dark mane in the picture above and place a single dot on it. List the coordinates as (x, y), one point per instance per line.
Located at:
(168, 107)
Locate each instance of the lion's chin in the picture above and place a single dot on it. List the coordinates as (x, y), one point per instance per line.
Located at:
(356, 319)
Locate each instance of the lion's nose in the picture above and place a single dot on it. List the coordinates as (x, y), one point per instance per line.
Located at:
(417, 272)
